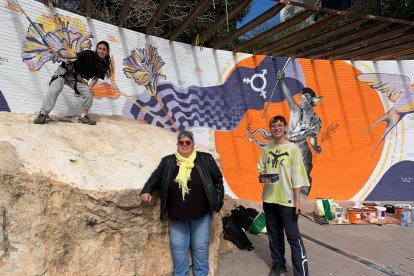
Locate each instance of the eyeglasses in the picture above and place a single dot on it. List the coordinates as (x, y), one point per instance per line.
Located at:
(277, 126)
(184, 143)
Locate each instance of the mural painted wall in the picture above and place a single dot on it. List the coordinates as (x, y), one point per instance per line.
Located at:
(353, 121)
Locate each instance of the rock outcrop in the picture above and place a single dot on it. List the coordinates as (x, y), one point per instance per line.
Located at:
(69, 199)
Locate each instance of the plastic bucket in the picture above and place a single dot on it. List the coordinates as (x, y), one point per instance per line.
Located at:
(258, 225)
(398, 212)
(354, 215)
(368, 212)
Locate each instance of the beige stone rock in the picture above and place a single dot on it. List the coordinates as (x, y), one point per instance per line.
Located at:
(115, 154)
(69, 199)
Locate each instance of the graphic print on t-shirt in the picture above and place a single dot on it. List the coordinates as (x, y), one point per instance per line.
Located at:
(276, 156)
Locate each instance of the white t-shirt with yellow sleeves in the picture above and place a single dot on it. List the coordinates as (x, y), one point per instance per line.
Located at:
(286, 161)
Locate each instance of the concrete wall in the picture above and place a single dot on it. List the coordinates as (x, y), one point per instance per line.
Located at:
(221, 97)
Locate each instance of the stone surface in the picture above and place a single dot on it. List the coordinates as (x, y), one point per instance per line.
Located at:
(115, 154)
(69, 199)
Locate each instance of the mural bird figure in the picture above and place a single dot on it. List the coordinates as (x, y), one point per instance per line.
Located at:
(398, 90)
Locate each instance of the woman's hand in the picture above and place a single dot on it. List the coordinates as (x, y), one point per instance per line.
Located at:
(146, 197)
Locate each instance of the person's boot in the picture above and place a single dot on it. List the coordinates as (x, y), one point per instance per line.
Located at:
(277, 270)
(85, 120)
(40, 119)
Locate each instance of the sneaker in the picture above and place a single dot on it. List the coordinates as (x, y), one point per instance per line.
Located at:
(85, 120)
(277, 270)
(40, 119)
(76, 94)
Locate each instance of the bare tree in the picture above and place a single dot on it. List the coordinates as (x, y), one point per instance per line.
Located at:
(141, 11)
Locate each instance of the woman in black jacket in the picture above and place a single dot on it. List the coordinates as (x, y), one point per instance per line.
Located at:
(191, 188)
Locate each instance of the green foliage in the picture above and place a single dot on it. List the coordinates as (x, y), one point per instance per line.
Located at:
(400, 9)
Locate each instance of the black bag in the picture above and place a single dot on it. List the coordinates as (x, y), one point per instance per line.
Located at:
(244, 217)
(234, 233)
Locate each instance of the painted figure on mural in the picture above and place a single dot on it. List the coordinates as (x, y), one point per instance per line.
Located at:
(191, 189)
(86, 65)
(304, 123)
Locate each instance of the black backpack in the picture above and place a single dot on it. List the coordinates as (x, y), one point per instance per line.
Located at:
(244, 217)
(234, 233)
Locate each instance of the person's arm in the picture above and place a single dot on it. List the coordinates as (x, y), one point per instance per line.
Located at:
(92, 84)
(299, 176)
(153, 183)
(316, 128)
(112, 76)
(217, 178)
(261, 164)
(63, 53)
(314, 143)
(286, 91)
(297, 201)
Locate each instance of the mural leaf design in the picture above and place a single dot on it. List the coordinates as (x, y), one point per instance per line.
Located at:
(331, 129)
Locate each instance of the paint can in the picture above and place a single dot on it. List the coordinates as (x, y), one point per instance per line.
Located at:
(354, 215)
(368, 213)
(381, 212)
(258, 225)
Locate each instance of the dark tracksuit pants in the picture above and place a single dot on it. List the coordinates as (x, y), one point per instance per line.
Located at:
(279, 218)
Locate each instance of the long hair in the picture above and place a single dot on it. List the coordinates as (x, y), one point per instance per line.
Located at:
(103, 66)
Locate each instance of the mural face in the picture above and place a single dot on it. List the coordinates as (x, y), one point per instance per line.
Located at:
(352, 120)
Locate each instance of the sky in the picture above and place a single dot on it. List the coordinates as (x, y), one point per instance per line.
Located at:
(258, 7)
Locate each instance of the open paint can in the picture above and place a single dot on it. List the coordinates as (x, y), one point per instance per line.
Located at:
(369, 212)
(354, 215)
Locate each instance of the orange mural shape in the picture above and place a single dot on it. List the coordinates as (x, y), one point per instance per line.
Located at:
(105, 89)
(347, 159)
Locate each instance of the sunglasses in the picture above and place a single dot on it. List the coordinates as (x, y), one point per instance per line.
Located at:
(184, 143)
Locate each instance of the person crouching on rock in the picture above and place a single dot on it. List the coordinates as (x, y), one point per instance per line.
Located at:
(191, 188)
(87, 65)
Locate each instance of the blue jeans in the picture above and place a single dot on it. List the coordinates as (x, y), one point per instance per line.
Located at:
(195, 233)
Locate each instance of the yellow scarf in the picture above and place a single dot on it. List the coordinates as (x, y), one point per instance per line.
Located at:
(184, 173)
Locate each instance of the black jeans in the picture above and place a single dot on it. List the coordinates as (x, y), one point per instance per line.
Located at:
(279, 218)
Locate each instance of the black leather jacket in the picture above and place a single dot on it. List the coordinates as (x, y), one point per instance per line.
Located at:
(210, 176)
